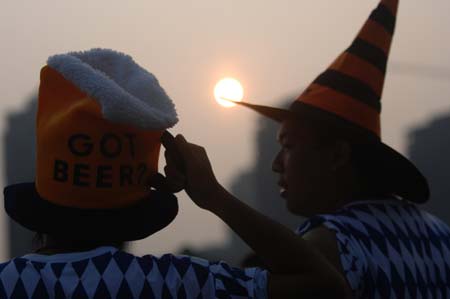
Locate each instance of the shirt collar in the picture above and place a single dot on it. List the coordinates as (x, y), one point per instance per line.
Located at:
(72, 256)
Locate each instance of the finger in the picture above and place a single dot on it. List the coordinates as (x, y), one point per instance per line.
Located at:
(197, 148)
(158, 181)
(167, 139)
(161, 183)
(172, 169)
(171, 145)
(178, 143)
(174, 181)
(173, 174)
(184, 147)
(174, 187)
(169, 159)
(181, 140)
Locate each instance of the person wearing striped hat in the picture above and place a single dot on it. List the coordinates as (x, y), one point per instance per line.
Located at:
(360, 195)
(99, 126)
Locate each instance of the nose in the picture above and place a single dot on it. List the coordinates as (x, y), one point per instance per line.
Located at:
(277, 166)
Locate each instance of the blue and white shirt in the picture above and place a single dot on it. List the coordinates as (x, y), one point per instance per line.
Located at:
(390, 249)
(109, 273)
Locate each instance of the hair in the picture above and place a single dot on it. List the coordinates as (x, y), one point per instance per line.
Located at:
(42, 241)
(329, 131)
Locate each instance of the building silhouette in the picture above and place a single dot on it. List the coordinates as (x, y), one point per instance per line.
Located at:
(19, 148)
(429, 148)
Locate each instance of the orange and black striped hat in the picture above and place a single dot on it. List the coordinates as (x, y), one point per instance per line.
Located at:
(350, 91)
(352, 86)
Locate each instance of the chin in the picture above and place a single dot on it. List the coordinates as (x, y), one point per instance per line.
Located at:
(301, 207)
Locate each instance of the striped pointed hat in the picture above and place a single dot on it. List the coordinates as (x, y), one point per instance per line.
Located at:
(349, 92)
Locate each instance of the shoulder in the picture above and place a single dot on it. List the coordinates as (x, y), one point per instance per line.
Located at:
(198, 275)
(7, 266)
(340, 238)
(361, 218)
(324, 240)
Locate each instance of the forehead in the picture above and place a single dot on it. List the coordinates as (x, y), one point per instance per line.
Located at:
(293, 129)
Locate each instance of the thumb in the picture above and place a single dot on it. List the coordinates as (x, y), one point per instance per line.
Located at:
(159, 182)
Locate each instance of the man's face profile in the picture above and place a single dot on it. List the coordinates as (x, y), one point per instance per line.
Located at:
(303, 165)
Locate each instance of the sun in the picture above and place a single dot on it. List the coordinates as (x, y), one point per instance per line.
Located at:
(228, 89)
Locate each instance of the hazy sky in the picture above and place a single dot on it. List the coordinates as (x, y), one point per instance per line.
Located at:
(274, 47)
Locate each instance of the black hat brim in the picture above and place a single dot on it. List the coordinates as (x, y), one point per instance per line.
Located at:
(393, 172)
(145, 217)
(384, 164)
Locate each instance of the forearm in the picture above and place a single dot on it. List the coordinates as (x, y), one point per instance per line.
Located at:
(305, 286)
(282, 250)
(295, 267)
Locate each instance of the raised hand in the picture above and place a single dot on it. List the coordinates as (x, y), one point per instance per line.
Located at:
(188, 167)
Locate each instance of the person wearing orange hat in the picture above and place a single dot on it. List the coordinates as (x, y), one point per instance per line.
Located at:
(359, 194)
(99, 123)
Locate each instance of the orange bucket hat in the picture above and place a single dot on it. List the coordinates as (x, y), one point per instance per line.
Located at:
(349, 92)
(99, 122)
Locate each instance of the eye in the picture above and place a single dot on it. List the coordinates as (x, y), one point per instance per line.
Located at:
(287, 145)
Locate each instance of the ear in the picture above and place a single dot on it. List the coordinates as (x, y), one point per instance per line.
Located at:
(341, 154)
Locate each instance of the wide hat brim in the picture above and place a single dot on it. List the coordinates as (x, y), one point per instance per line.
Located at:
(145, 217)
(384, 165)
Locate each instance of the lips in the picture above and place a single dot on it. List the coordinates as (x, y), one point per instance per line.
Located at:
(283, 189)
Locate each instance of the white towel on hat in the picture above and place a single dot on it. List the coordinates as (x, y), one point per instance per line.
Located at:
(126, 92)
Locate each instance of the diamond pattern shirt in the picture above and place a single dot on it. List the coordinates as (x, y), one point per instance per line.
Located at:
(390, 249)
(109, 273)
